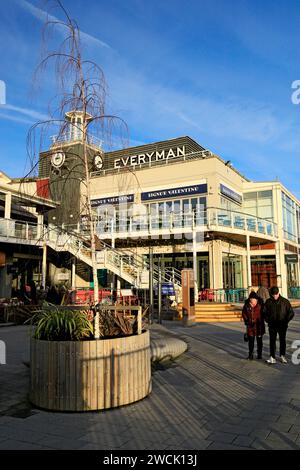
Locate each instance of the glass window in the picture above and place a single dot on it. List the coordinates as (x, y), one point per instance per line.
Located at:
(259, 204)
(288, 216)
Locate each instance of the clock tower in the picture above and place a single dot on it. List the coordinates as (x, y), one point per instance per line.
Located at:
(64, 165)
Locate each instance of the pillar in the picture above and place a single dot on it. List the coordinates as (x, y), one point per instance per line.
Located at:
(215, 264)
(44, 265)
(249, 277)
(40, 227)
(281, 270)
(195, 265)
(245, 272)
(73, 274)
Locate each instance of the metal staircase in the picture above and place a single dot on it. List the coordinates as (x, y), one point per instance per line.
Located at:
(128, 265)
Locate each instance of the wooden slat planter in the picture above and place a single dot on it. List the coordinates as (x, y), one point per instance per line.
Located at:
(90, 375)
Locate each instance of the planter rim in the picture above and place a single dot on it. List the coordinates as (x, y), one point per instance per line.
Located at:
(89, 340)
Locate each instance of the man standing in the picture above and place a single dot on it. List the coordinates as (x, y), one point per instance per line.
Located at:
(278, 313)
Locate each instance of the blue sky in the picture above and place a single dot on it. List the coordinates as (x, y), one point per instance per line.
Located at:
(219, 71)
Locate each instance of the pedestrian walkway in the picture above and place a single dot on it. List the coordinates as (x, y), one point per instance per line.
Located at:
(208, 398)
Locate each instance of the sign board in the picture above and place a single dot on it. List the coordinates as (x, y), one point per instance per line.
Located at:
(167, 288)
(175, 192)
(63, 276)
(124, 199)
(291, 258)
(149, 157)
(231, 194)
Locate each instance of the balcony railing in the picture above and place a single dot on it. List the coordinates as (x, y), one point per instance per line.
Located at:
(212, 218)
(14, 229)
(68, 137)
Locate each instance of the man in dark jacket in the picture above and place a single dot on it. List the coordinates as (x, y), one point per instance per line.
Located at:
(278, 313)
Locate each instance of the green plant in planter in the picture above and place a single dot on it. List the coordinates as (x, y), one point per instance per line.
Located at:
(62, 325)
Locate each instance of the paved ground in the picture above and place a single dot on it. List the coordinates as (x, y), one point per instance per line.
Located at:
(209, 398)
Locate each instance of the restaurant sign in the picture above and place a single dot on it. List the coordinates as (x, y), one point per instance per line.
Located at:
(175, 192)
(127, 198)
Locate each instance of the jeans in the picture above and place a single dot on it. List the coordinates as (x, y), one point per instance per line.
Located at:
(259, 345)
(280, 329)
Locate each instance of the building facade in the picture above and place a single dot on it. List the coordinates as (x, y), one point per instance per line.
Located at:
(195, 210)
(171, 201)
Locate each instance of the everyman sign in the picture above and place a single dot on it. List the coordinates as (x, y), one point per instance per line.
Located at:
(149, 157)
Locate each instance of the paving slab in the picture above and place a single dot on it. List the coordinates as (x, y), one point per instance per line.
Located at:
(208, 398)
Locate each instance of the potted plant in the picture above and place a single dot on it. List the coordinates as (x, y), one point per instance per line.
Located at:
(72, 371)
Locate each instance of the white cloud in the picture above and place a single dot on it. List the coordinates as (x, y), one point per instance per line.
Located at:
(35, 115)
(8, 117)
(43, 16)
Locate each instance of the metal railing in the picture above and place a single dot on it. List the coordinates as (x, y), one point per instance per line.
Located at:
(294, 292)
(186, 221)
(15, 229)
(68, 137)
(223, 295)
(168, 161)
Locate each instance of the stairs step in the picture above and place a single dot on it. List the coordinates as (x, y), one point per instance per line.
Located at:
(218, 320)
(216, 306)
(217, 314)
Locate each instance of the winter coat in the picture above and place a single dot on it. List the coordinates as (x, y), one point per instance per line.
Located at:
(278, 311)
(253, 318)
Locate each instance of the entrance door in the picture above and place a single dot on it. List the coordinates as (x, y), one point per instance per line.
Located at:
(232, 272)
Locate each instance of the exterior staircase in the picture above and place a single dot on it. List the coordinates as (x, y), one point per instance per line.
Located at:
(129, 266)
(212, 312)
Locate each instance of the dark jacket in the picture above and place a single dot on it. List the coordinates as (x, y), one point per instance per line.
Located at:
(253, 318)
(278, 311)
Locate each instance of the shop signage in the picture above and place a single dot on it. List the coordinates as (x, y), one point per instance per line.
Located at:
(113, 200)
(149, 157)
(231, 194)
(175, 192)
(167, 288)
(291, 258)
(63, 276)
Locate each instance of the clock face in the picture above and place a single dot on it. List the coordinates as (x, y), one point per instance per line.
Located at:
(58, 159)
(98, 162)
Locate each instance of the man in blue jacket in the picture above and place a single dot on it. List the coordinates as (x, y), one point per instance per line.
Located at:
(278, 313)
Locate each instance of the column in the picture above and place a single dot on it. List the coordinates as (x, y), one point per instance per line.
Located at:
(215, 264)
(245, 272)
(249, 278)
(40, 226)
(281, 270)
(44, 265)
(7, 210)
(195, 266)
(73, 274)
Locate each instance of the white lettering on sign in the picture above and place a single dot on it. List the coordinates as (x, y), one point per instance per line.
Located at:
(143, 158)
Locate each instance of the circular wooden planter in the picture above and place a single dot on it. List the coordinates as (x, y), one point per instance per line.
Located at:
(90, 375)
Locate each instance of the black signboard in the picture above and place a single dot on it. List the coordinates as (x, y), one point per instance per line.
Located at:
(231, 194)
(127, 198)
(175, 192)
(291, 258)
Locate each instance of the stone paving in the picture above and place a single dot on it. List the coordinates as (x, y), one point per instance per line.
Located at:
(208, 398)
